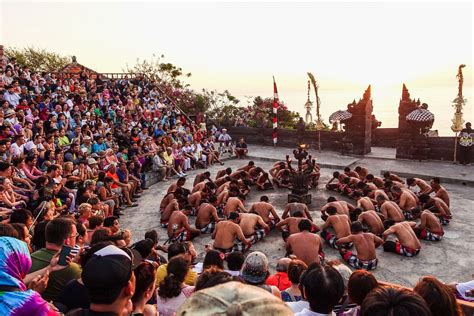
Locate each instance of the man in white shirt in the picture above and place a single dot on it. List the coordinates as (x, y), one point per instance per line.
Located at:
(18, 147)
(11, 96)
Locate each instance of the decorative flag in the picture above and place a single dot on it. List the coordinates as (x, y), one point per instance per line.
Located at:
(275, 112)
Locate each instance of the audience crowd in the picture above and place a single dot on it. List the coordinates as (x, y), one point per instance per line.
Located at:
(73, 157)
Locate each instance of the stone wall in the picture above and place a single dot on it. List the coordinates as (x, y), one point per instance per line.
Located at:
(286, 138)
(441, 148)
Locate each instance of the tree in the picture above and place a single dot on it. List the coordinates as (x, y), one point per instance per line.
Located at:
(38, 59)
(162, 72)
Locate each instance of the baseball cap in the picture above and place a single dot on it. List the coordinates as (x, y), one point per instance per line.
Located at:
(91, 161)
(255, 268)
(233, 298)
(107, 272)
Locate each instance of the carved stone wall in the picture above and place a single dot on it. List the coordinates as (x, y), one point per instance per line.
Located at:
(412, 144)
(358, 129)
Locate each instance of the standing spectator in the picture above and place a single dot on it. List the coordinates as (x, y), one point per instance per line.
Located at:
(465, 144)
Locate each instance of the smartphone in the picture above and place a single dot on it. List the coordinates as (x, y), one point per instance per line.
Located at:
(65, 251)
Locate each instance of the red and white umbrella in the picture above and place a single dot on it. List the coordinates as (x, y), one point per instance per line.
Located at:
(340, 116)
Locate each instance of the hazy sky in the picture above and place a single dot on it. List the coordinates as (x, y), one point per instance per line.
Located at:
(239, 46)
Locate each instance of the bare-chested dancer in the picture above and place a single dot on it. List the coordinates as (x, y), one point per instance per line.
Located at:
(228, 235)
(223, 173)
(438, 207)
(178, 184)
(253, 227)
(390, 210)
(392, 177)
(289, 225)
(407, 200)
(372, 220)
(179, 228)
(342, 207)
(264, 208)
(351, 173)
(247, 167)
(207, 217)
(429, 227)
(365, 244)
(263, 182)
(407, 244)
(375, 180)
(362, 172)
(341, 224)
(424, 187)
(293, 207)
(363, 202)
(201, 177)
(234, 204)
(305, 245)
(167, 211)
(439, 190)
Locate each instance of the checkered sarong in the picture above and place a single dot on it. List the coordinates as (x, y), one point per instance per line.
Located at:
(405, 251)
(445, 220)
(184, 235)
(331, 240)
(209, 228)
(258, 235)
(356, 263)
(271, 224)
(427, 235)
(238, 246)
(408, 215)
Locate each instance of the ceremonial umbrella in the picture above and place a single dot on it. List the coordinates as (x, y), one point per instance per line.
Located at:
(420, 116)
(340, 116)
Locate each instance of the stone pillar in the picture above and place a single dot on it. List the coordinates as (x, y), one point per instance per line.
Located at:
(358, 129)
(412, 144)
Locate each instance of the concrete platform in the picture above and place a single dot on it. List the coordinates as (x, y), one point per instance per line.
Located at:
(450, 260)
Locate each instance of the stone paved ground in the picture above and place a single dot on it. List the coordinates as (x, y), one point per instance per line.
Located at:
(450, 260)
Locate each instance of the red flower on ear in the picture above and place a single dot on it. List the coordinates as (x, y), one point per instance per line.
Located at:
(222, 255)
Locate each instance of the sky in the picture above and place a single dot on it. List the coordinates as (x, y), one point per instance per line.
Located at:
(239, 46)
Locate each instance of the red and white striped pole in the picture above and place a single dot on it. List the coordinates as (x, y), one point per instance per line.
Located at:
(275, 113)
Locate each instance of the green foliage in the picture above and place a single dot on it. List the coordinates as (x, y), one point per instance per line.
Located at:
(162, 72)
(38, 59)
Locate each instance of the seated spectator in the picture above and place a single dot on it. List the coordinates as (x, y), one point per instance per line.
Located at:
(255, 272)
(172, 291)
(212, 277)
(439, 298)
(280, 278)
(241, 149)
(295, 270)
(323, 287)
(15, 262)
(235, 261)
(182, 249)
(360, 284)
(144, 289)
(233, 298)
(391, 301)
(60, 231)
(110, 281)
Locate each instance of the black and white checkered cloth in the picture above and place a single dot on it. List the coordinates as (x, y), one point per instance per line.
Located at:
(420, 115)
(339, 116)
